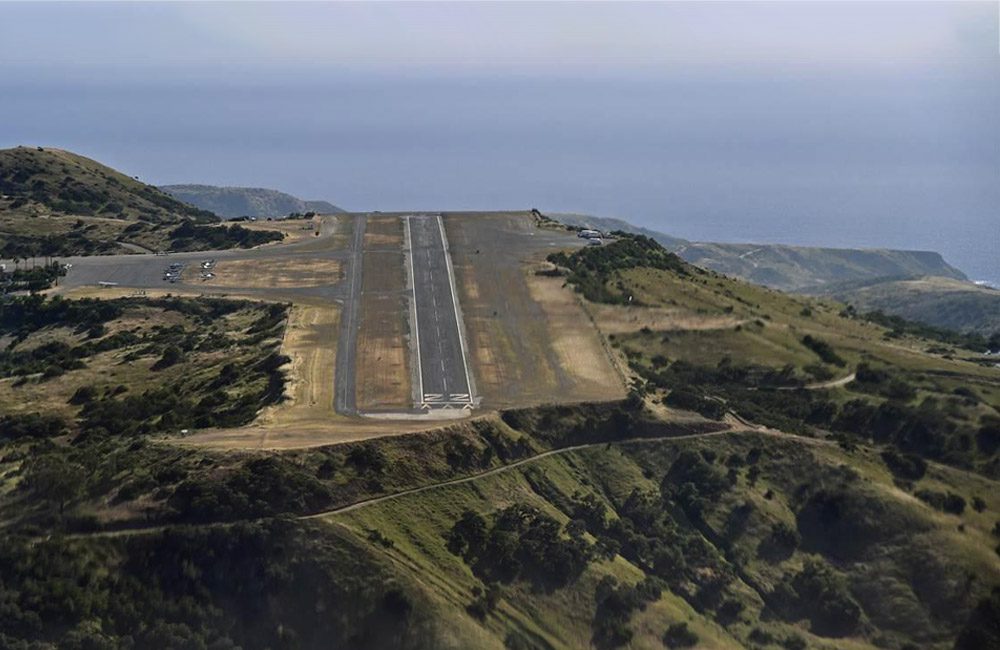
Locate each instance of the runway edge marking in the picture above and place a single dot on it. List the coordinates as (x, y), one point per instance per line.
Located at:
(416, 317)
(454, 301)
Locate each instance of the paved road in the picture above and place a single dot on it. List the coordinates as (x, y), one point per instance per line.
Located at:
(345, 393)
(444, 378)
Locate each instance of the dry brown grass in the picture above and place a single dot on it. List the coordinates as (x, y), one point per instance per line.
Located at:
(384, 232)
(383, 272)
(275, 273)
(578, 345)
(111, 293)
(383, 374)
(615, 319)
(315, 432)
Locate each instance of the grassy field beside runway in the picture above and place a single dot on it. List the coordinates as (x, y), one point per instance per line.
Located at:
(577, 345)
(383, 372)
(274, 273)
(530, 341)
(384, 232)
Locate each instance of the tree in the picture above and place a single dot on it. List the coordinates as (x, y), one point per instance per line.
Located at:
(171, 356)
(56, 480)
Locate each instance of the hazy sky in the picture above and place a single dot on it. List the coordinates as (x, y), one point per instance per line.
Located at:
(544, 38)
(847, 123)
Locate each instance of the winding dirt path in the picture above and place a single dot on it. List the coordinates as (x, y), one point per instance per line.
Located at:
(503, 468)
(157, 528)
(833, 383)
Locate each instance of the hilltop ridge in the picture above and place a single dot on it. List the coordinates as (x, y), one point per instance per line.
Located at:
(56, 203)
(782, 266)
(232, 202)
(43, 180)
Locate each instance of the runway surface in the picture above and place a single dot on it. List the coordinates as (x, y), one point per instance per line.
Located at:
(345, 393)
(444, 379)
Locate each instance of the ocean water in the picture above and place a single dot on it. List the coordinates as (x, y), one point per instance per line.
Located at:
(907, 162)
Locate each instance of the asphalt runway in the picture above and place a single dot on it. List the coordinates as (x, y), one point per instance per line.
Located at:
(345, 380)
(443, 369)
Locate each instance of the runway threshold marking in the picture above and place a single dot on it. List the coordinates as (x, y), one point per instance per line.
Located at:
(454, 302)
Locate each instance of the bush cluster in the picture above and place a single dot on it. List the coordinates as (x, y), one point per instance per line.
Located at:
(592, 268)
(520, 542)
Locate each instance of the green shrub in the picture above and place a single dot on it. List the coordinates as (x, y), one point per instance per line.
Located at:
(679, 636)
(823, 350)
(905, 466)
(944, 501)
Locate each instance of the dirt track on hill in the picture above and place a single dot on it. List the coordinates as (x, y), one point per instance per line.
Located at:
(364, 503)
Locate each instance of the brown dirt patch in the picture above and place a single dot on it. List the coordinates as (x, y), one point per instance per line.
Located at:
(576, 342)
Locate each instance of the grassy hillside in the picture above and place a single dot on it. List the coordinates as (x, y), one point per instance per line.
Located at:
(772, 359)
(57, 203)
(783, 475)
(231, 202)
(789, 268)
(728, 540)
(794, 268)
(941, 302)
(745, 540)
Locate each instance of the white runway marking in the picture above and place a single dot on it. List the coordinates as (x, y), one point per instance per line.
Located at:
(416, 327)
(454, 301)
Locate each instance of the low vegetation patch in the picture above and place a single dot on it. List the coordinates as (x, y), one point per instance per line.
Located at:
(593, 269)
